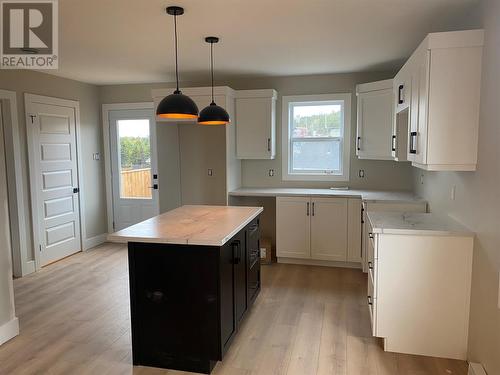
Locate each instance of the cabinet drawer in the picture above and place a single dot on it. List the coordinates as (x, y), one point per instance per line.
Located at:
(372, 306)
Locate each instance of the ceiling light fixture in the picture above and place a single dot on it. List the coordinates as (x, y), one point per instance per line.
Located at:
(177, 105)
(213, 114)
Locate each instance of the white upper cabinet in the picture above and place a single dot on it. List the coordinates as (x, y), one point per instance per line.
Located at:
(445, 73)
(256, 124)
(375, 120)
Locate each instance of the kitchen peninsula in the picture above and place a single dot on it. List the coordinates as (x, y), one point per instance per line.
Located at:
(194, 273)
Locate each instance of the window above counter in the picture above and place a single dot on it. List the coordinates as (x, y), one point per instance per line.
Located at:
(315, 137)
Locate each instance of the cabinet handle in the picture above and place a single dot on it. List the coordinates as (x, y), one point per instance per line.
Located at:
(269, 144)
(362, 215)
(307, 209)
(236, 245)
(393, 143)
(400, 94)
(370, 300)
(358, 143)
(370, 235)
(312, 208)
(413, 138)
(370, 265)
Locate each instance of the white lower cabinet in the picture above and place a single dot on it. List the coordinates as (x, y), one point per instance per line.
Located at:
(329, 229)
(388, 206)
(312, 228)
(419, 293)
(293, 229)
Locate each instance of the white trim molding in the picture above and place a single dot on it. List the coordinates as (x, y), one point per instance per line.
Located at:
(90, 243)
(22, 263)
(9, 330)
(32, 98)
(346, 98)
(106, 109)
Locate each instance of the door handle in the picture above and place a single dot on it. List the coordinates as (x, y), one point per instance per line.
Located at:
(312, 208)
(269, 144)
(393, 143)
(154, 187)
(307, 209)
(400, 94)
(76, 190)
(358, 143)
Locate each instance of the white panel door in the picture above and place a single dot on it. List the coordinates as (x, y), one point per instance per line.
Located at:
(329, 229)
(133, 166)
(293, 232)
(54, 160)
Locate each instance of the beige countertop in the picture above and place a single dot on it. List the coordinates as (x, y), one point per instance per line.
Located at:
(190, 225)
(366, 195)
(416, 224)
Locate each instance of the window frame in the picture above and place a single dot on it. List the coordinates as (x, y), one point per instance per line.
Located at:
(286, 141)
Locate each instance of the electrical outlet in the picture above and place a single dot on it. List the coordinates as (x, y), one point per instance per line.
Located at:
(271, 173)
(210, 172)
(453, 192)
(96, 156)
(361, 173)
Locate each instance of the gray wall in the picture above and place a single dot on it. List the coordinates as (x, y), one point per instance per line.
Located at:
(378, 174)
(24, 81)
(477, 203)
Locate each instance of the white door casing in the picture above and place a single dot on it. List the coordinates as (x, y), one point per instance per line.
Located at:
(52, 136)
(128, 210)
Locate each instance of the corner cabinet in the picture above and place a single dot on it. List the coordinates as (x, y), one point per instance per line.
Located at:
(317, 228)
(256, 124)
(444, 75)
(375, 120)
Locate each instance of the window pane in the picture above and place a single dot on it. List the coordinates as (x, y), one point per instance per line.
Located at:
(135, 158)
(322, 120)
(322, 156)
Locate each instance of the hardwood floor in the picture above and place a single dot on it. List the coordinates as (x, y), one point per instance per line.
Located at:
(308, 320)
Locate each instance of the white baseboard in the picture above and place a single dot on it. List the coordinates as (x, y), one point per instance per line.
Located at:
(89, 243)
(314, 262)
(9, 330)
(476, 369)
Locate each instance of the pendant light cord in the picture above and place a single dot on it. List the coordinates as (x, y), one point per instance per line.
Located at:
(176, 62)
(212, 67)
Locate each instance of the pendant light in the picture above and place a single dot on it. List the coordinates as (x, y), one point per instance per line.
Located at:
(213, 114)
(177, 105)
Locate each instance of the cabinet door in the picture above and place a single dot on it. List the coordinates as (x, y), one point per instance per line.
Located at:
(375, 124)
(417, 138)
(293, 231)
(238, 245)
(227, 311)
(255, 128)
(329, 229)
(354, 230)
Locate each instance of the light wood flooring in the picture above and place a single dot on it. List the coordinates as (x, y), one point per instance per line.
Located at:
(75, 319)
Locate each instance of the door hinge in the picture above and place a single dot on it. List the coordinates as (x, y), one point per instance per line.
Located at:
(32, 118)
(113, 225)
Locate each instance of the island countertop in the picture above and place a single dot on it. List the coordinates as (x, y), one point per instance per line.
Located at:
(190, 225)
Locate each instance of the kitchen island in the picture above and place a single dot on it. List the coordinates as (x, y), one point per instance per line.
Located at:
(194, 273)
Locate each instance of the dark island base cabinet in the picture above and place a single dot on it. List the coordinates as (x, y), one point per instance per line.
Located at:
(188, 301)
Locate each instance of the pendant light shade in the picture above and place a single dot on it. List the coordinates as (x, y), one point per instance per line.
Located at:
(177, 105)
(213, 114)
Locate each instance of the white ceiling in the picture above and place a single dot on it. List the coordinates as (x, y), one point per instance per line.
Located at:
(124, 41)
